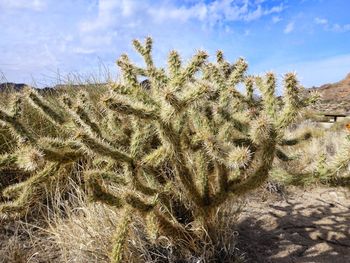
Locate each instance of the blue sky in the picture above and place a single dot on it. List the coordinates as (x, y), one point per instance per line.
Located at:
(44, 39)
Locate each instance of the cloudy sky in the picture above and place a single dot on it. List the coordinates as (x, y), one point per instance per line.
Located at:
(44, 40)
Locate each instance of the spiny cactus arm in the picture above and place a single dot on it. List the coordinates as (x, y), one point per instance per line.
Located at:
(130, 74)
(171, 139)
(140, 139)
(239, 68)
(312, 98)
(16, 128)
(239, 157)
(125, 64)
(98, 193)
(120, 236)
(137, 203)
(135, 174)
(145, 51)
(13, 191)
(101, 148)
(290, 142)
(172, 142)
(171, 99)
(118, 129)
(109, 176)
(267, 88)
(156, 157)
(196, 63)
(262, 130)
(152, 175)
(66, 156)
(124, 105)
(263, 137)
(29, 158)
(42, 105)
(291, 102)
(249, 86)
(338, 164)
(202, 173)
(157, 80)
(259, 174)
(216, 76)
(224, 66)
(7, 160)
(60, 144)
(86, 121)
(57, 150)
(16, 106)
(31, 190)
(174, 105)
(196, 92)
(217, 149)
(222, 178)
(85, 101)
(231, 96)
(233, 130)
(174, 64)
(81, 117)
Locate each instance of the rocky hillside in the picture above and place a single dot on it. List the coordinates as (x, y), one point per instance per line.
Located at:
(335, 98)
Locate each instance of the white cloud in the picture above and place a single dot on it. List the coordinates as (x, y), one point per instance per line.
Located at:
(108, 13)
(197, 11)
(289, 28)
(36, 5)
(117, 21)
(276, 19)
(340, 28)
(330, 26)
(321, 21)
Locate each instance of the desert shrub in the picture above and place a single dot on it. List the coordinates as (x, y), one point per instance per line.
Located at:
(166, 146)
(320, 160)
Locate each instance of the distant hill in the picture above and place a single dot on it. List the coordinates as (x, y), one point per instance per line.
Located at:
(335, 98)
(10, 86)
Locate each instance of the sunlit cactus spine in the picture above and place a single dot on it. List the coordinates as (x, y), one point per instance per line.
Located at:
(183, 138)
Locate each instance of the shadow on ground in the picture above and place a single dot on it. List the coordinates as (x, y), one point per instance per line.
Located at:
(309, 226)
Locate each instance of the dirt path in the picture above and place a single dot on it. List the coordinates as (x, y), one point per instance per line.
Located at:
(306, 226)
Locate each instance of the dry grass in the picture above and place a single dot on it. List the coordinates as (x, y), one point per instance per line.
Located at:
(83, 231)
(72, 229)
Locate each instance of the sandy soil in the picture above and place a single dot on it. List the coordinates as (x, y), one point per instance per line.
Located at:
(305, 226)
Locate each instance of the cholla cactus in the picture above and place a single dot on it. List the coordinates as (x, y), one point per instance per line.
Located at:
(336, 170)
(177, 144)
